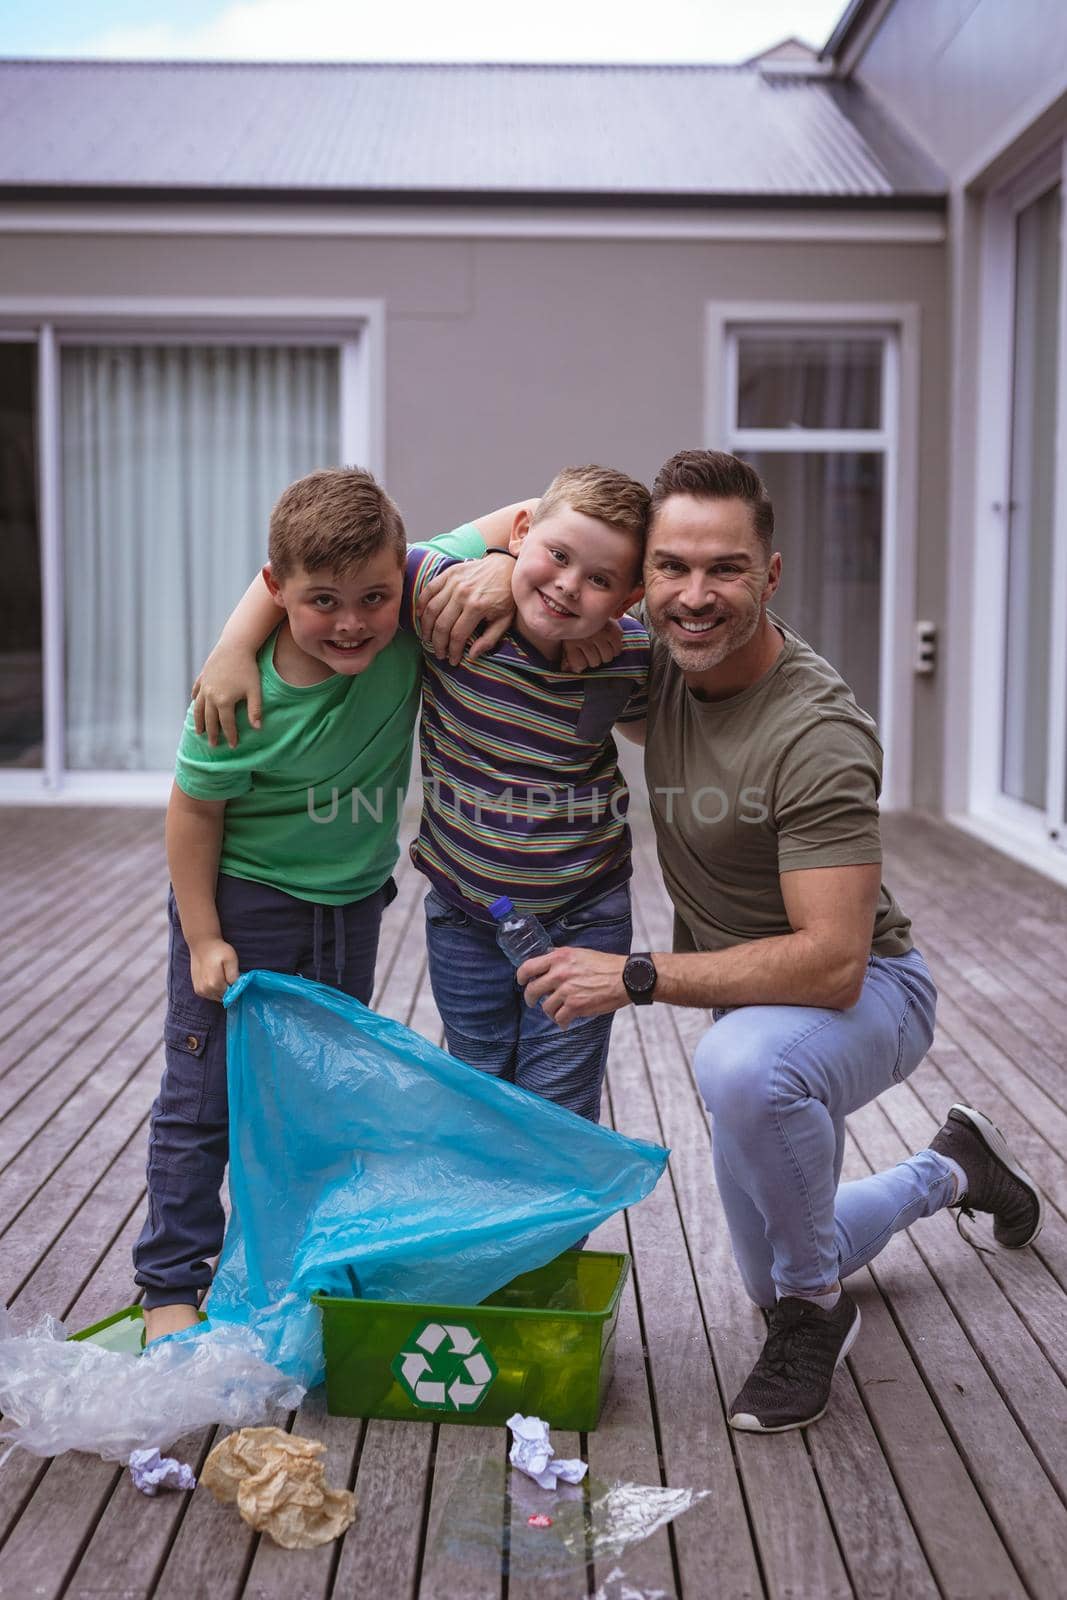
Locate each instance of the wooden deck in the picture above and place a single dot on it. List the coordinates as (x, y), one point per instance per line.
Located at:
(941, 1467)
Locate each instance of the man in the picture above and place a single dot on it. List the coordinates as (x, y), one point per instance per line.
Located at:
(763, 776)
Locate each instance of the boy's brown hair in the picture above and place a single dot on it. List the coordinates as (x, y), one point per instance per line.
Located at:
(714, 475)
(332, 520)
(600, 492)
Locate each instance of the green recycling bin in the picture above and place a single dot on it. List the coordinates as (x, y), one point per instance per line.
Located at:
(543, 1345)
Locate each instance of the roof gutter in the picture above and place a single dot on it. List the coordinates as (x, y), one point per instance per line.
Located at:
(854, 33)
(476, 199)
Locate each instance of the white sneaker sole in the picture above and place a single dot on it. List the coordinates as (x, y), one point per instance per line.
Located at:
(745, 1422)
(992, 1137)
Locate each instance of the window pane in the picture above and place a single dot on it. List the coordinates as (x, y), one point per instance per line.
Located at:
(828, 527)
(1024, 751)
(792, 382)
(171, 461)
(21, 700)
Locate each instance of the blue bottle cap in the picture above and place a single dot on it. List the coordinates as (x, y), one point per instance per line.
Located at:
(500, 908)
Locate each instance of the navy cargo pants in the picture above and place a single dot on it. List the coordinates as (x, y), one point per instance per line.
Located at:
(188, 1144)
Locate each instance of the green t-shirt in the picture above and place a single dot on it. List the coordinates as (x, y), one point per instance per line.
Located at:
(783, 776)
(313, 798)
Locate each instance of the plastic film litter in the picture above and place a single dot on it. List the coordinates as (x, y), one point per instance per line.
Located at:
(593, 1522)
(58, 1395)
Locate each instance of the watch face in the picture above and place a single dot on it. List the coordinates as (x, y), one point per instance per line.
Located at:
(639, 974)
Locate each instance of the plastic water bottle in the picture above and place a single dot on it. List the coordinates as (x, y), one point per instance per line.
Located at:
(518, 933)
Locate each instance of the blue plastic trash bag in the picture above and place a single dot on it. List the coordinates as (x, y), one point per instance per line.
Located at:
(364, 1160)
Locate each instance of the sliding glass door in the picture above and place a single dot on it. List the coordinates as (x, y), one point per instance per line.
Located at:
(21, 667)
(1021, 739)
(139, 462)
(171, 458)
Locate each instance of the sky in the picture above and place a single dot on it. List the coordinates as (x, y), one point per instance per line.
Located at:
(412, 30)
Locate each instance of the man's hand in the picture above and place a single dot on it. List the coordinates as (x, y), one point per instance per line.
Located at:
(214, 967)
(229, 675)
(574, 983)
(578, 654)
(453, 604)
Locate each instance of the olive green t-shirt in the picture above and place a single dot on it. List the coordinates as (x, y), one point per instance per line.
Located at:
(780, 777)
(314, 796)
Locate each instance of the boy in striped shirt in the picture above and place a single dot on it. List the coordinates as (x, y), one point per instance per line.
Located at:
(522, 794)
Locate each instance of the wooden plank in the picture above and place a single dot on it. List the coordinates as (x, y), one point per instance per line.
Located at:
(460, 1453)
(79, 866)
(91, 1127)
(57, 1023)
(212, 1550)
(988, 888)
(71, 950)
(48, 1077)
(50, 845)
(274, 1572)
(76, 1493)
(527, 1499)
(1036, 1296)
(795, 1537)
(1026, 1510)
(958, 1538)
(73, 1177)
(624, 1448)
(696, 1443)
(1018, 1364)
(381, 1553)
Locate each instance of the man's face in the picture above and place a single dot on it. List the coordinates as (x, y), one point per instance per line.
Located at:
(707, 579)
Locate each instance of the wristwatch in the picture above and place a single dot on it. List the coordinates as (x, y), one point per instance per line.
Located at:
(639, 979)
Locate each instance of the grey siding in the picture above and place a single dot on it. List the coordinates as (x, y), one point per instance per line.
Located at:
(961, 76)
(507, 359)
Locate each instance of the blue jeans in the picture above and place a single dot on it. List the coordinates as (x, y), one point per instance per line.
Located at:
(778, 1082)
(189, 1138)
(488, 1023)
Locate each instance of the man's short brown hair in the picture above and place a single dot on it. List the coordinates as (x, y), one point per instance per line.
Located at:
(714, 475)
(601, 492)
(332, 520)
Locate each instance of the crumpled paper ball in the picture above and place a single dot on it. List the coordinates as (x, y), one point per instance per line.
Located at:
(278, 1482)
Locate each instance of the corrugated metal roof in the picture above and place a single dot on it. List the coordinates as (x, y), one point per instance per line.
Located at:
(537, 131)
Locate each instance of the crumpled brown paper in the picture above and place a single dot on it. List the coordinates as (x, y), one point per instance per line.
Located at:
(277, 1480)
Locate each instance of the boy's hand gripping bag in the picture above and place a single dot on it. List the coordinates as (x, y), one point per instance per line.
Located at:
(364, 1160)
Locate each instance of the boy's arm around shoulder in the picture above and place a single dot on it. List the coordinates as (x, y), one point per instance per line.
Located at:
(194, 843)
(230, 674)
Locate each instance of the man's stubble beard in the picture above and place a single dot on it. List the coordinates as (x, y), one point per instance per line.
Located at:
(731, 637)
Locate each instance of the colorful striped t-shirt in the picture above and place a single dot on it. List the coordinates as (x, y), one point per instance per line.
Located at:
(522, 793)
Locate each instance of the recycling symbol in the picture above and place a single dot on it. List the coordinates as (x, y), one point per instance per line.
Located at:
(446, 1367)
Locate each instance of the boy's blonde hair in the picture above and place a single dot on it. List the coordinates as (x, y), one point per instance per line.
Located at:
(332, 520)
(600, 492)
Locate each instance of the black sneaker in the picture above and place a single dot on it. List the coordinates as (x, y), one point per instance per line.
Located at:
(790, 1384)
(995, 1180)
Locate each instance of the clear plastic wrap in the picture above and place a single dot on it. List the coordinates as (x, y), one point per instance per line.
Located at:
(60, 1395)
(550, 1533)
(364, 1160)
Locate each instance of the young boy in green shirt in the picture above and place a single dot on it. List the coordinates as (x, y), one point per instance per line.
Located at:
(257, 879)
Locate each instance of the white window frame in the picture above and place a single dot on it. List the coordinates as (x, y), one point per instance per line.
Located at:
(898, 325)
(1025, 831)
(355, 327)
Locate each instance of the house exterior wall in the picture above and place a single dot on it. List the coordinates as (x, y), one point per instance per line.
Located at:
(507, 358)
(966, 78)
(983, 87)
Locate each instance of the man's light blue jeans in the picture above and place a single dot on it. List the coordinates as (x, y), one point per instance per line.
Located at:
(778, 1082)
